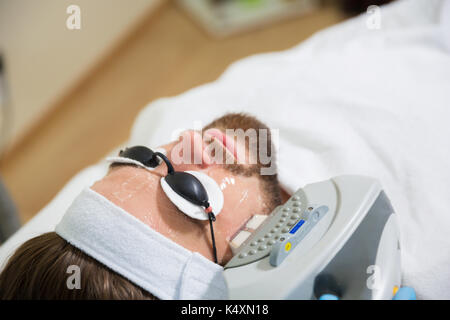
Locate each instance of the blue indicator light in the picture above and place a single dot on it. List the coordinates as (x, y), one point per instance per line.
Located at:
(297, 226)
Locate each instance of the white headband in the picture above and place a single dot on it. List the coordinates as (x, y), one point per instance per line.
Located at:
(131, 248)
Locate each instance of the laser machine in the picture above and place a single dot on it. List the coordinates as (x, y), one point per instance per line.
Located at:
(337, 237)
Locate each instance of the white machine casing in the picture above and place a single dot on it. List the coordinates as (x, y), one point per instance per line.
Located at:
(356, 244)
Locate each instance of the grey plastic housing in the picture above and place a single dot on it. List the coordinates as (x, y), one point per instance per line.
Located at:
(355, 242)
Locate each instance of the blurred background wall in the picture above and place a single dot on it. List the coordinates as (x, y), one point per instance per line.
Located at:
(74, 94)
(44, 59)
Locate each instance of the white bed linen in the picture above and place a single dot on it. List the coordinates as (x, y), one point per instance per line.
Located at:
(347, 101)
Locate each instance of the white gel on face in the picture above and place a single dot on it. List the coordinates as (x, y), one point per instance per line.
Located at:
(226, 182)
(153, 220)
(130, 187)
(244, 196)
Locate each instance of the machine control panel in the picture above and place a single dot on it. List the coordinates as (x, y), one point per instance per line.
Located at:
(280, 233)
(288, 241)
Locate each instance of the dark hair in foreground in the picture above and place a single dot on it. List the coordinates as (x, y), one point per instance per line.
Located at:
(38, 270)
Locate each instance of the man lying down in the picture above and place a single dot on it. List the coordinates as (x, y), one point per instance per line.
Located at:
(128, 240)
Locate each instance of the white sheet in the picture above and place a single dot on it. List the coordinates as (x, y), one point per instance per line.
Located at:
(348, 100)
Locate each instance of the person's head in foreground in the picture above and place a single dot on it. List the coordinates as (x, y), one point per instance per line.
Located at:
(40, 268)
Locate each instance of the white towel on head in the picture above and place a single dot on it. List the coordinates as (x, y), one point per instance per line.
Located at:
(131, 248)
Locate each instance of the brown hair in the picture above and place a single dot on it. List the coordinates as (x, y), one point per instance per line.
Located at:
(38, 270)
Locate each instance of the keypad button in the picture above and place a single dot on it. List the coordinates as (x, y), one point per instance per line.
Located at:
(242, 255)
(291, 223)
(296, 198)
(285, 230)
(296, 204)
(270, 242)
(262, 248)
(267, 235)
(254, 243)
(282, 220)
(295, 217)
(260, 240)
(287, 209)
(284, 214)
(296, 210)
(252, 252)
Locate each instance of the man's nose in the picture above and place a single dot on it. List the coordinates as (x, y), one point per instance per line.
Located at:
(189, 151)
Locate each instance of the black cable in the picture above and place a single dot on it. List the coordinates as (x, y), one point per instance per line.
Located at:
(170, 169)
(212, 218)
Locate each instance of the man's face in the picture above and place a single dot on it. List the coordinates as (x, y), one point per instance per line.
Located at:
(232, 162)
